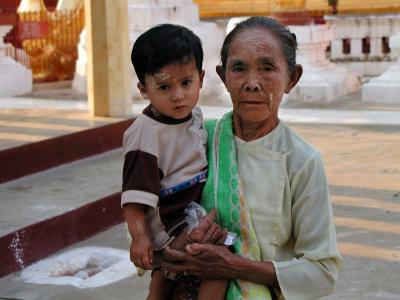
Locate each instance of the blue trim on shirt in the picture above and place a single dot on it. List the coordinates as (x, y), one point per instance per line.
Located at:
(202, 177)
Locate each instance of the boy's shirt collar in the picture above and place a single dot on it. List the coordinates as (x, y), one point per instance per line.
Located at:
(153, 114)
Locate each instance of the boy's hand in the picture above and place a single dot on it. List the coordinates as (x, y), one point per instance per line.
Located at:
(142, 252)
(141, 247)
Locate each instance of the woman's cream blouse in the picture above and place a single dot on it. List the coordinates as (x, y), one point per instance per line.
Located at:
(286, 190)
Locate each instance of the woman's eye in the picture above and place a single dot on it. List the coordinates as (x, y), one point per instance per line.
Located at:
(267, 68)
(186, 82)
(237, 69)
(163, 87)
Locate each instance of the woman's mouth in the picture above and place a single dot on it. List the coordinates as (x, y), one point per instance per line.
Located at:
(251, 102)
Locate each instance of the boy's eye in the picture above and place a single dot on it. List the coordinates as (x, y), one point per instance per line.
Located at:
(163, 87)
(186, 82)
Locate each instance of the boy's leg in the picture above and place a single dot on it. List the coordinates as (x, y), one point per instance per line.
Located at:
(213, 289)
(160, 288)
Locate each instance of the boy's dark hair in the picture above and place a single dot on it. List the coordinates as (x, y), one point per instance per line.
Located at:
(162, 45)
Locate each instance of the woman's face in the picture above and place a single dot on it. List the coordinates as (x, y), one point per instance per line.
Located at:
(256, 75)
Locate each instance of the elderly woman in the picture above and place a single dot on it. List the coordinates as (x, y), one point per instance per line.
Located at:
(268, 184)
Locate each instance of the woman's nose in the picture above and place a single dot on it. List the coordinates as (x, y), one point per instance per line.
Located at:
(252, 83)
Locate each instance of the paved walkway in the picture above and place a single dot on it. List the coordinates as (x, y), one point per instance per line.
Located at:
(359, 143)
(374, 115)
(24, 120)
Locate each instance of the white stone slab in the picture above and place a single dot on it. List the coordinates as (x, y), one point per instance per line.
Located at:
(15, 79)
(79, 83)
(322, 81)
(75, 267)
(386, 87)
(356, 28)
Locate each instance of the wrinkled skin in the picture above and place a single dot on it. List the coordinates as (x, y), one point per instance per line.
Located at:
(256, 77)
(202, 257)
(207, 232)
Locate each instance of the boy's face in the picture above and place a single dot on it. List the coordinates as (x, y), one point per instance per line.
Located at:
(174, 90)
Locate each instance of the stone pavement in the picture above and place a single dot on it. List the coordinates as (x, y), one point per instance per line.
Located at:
(360, 144)
(48, 113)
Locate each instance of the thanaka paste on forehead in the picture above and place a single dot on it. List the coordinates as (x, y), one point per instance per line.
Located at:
(253, 43)
(162, 75)
(151, 82)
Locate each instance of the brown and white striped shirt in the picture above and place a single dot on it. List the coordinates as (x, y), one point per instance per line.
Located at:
(165, 166)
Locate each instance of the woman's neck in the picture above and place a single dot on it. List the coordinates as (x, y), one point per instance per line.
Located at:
(249, 131)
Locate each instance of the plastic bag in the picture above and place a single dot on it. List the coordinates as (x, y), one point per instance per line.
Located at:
(195, 213)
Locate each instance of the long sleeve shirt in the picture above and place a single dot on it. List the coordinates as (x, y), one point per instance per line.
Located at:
(286, 190)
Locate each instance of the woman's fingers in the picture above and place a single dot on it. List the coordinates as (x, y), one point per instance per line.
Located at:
(180, 242)
(221, 240)
(202, 260)
(171, 255)
(207, 231)
(173, 260)
(176, 261)
(209, 234)
(195, 249)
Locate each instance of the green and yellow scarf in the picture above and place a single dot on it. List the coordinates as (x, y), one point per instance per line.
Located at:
(223, 191)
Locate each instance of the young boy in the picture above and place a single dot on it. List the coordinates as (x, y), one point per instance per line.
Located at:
(165, 163)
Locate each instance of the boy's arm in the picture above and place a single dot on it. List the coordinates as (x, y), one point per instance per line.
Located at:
(141, 250)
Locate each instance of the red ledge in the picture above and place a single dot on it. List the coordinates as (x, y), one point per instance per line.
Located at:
(27, 245)
(31, 158)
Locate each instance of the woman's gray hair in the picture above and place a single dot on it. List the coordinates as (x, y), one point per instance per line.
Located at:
(287, 39)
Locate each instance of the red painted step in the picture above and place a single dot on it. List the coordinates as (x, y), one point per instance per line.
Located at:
(31, 158)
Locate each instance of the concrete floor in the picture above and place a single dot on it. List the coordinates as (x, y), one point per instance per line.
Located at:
(43, 114)
(363, 167)
(362, 161)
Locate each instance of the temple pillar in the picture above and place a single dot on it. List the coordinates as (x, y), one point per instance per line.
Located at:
(386, 87)
(15, 79)
(108, 74)
(144, 14)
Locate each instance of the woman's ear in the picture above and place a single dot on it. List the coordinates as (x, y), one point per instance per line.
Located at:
(142, 90)
(294, 78)
(221, 73)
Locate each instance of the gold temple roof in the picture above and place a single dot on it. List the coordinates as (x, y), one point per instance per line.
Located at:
(227, 8)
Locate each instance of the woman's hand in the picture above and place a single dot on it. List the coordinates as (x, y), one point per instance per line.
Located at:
(203, 261)
(215, 262)
(207, 232)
